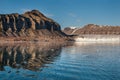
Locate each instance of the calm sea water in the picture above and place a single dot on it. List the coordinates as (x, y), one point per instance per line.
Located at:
(80, 61)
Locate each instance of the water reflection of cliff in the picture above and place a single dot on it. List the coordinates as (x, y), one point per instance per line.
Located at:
(32, 56)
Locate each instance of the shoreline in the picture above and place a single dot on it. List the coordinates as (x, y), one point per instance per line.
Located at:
(97, 38)
(32, 39)
(80, 38)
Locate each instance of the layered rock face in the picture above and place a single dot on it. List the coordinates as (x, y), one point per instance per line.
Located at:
(30, 24)
(94, 30)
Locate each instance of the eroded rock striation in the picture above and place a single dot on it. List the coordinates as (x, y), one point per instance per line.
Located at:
(31, 24)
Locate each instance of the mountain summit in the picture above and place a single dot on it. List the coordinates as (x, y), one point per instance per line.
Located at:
(30, 24)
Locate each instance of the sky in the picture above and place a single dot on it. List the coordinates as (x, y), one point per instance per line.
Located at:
(69, 12)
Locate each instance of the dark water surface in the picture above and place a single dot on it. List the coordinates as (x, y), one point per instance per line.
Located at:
(80, 61)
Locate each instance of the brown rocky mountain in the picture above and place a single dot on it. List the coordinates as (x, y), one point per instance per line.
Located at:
(30, 25)
(94, 29)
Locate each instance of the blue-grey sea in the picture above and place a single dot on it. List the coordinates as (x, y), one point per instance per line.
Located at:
(77, 61)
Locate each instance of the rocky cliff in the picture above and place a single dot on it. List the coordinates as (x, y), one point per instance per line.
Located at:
(94, 29)
(30, 24)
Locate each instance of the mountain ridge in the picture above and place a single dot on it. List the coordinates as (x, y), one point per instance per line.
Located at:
(92, 29)
(30, 24)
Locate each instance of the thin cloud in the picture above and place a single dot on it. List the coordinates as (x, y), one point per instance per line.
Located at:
(72, 15)
(49, 15)
(78, 20)
(25, 10)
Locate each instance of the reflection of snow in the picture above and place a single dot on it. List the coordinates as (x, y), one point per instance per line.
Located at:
(98, 38)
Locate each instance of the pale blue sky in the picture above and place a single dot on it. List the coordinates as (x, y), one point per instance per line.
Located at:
(69, 12)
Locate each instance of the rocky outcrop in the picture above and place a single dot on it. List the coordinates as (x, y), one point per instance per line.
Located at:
(30, 24)
(94, 30)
